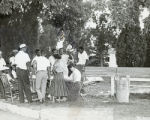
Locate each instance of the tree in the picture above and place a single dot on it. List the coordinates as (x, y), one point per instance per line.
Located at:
(146, 32)
(66, 15)
(131, 45)
(18, 27)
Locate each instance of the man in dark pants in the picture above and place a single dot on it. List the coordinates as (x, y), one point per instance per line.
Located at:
(22, 62)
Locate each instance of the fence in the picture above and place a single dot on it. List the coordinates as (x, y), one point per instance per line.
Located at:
(135, 73)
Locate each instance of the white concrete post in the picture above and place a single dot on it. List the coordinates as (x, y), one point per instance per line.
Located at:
(112, 86)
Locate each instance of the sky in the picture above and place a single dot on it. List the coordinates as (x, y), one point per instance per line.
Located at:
(90, 24)
(145, 13)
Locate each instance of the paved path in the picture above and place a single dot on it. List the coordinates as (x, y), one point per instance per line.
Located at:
(9, 116)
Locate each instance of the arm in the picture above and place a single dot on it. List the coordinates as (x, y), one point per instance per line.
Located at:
(28, 62)
(34, 64)
(49, 72)
(4, 63)
(68, 78)
(28, 66)
(87, 58)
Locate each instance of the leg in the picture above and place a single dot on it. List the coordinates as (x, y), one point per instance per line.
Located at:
(43, 84)
(53, 99)
(81, 69)
(27, 86)
(38, 85)
(2, 90)
(20, 85)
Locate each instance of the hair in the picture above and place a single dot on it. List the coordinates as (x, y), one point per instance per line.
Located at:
(57, 56)
(53, 49)
(43, 52)
(61, 49)
(71, 65)
(37, 50)
(81, 48)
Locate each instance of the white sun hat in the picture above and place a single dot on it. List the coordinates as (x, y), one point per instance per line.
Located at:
(22, 46)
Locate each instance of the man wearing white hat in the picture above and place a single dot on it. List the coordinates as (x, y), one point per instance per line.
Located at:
(22, 61)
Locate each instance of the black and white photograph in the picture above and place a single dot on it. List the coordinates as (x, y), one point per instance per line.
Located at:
(74, 59)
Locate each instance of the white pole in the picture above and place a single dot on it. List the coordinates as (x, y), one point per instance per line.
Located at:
(112, 85)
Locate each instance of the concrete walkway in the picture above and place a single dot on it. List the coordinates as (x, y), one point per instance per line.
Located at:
(59, 113)
(10, 116)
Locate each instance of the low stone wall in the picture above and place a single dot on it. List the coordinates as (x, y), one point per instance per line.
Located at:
(60, 113)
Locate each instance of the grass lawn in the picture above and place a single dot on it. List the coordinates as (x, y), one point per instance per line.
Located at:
(98, 97)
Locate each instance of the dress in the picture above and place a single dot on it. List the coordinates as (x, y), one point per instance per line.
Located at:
(58, 86)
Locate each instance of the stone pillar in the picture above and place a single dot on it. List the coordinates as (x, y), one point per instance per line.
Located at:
(123, 90)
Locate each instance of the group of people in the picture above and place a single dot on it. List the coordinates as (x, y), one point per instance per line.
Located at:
(61, 69)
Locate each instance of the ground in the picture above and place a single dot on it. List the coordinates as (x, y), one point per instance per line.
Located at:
(9, 116)
(98, 97)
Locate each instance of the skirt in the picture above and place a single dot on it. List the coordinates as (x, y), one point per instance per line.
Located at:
(58, 86)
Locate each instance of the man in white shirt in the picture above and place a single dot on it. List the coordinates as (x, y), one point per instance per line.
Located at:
(82, 56)
(73, 82)
(42, 65)
(37, 55)
(22, 61)
(32, 73)
(82, 60)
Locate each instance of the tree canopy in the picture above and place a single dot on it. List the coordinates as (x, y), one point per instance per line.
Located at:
(117, 23)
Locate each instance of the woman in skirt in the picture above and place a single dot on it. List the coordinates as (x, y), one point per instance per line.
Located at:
(58, 85)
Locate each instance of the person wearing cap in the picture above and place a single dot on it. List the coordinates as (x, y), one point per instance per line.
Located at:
(22, 61)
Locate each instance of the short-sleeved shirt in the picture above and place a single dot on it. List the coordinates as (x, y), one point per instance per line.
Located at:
(58, 66)
(21, 59)
(82, 58)
(42, 63)
(75, 76)
(2, 62)
(65, 58)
